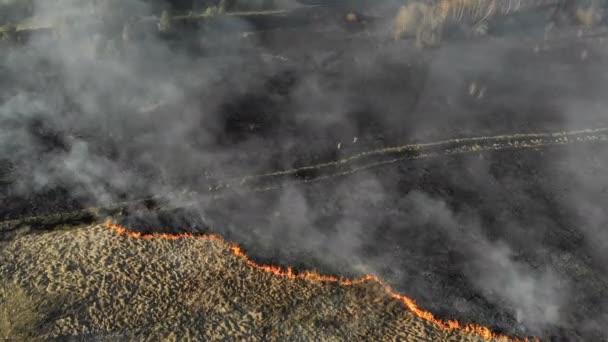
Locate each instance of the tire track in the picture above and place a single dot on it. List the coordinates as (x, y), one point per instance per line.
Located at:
(385, 156)
(323, 171)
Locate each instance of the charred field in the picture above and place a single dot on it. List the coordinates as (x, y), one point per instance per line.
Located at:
(283, 141)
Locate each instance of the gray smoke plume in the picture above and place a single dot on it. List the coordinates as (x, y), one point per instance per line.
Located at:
(110, 112)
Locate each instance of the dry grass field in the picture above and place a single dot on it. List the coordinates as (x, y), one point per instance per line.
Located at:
(94, 282)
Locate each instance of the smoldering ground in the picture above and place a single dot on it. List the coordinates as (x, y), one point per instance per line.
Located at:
(513, 240)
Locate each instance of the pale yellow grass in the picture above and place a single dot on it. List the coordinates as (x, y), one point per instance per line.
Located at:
(94, 282)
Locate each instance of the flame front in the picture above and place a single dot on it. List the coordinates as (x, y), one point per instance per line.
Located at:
(409, 303)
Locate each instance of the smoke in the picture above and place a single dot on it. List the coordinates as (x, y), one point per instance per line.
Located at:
(130, 98)
(111, 112)
(536, 295)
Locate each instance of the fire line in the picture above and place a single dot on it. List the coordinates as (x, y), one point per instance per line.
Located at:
(288, 272)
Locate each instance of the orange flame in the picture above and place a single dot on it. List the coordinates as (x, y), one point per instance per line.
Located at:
(409, 303)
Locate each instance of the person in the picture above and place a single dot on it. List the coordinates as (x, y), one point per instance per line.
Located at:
(164, 24)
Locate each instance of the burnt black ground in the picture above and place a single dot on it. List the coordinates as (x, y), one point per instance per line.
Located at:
(417, 255)
(415, 223)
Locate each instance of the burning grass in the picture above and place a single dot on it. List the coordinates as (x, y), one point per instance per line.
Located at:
(201, 288)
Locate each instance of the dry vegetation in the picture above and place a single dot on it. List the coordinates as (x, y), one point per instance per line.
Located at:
(20, 314)
(93, 282)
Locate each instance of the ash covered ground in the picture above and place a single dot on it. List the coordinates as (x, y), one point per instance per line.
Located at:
(513, 240)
